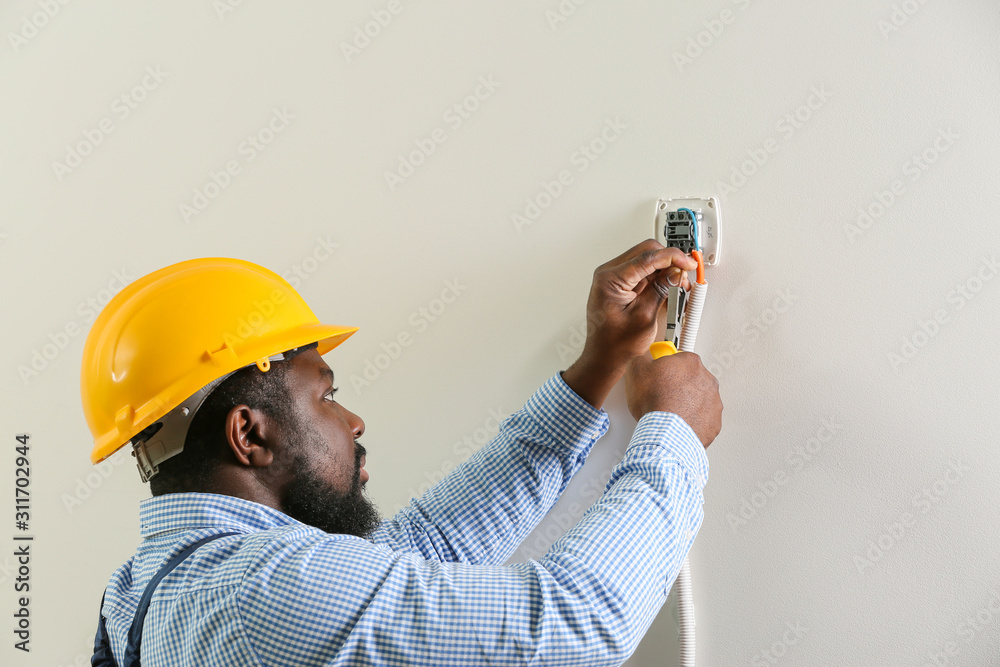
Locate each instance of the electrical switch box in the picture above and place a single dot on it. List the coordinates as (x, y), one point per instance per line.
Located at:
(680, 221)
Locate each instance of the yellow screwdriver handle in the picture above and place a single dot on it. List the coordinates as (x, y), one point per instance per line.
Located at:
(662, 348)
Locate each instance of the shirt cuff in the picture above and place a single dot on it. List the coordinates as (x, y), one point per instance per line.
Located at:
(564, 416)
(670, 431)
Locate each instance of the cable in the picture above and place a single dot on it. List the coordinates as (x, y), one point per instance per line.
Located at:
(700, 275)
(694, 225)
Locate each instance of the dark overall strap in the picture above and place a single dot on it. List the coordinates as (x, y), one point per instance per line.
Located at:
(102, 645)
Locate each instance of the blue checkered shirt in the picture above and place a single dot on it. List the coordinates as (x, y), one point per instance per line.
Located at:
(430, 587)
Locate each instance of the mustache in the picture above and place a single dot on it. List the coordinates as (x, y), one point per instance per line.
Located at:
(359, 453)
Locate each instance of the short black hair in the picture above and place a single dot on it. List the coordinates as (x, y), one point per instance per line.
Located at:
(194, 468)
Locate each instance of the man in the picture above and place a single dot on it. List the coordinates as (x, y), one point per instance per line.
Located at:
(310, 575)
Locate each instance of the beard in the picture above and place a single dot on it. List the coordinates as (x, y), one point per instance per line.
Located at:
(315, 502)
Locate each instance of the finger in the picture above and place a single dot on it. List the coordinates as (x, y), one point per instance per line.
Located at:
(647, 263)
(677, 276)
(670, 279)
(674, 275)
(661, 322)
(638, 248)
(648, 303)
(641, 285)
(660, 283)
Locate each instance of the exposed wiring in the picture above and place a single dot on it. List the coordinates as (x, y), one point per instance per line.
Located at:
(694, 225)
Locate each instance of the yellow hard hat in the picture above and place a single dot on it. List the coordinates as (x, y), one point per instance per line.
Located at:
(168, 336)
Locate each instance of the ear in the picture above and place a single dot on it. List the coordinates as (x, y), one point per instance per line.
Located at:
(246, 431)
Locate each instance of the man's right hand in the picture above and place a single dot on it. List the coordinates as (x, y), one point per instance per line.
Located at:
(677, 383)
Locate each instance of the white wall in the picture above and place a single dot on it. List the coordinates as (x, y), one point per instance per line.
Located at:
(800, 555)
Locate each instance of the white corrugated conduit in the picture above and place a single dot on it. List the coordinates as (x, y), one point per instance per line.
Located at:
(685, 602)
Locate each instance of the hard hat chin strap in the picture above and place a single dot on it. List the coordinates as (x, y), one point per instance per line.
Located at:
(165, 438)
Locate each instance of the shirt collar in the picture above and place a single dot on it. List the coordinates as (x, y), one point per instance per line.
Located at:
(185, 511)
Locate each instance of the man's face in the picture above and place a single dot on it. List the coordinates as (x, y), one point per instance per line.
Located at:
(324, 458)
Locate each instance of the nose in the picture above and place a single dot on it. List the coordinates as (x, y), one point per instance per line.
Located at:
(356, 423)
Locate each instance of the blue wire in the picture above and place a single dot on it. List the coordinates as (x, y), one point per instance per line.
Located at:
(694, 224)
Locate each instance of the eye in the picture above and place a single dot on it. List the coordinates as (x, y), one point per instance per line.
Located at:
(329, 395)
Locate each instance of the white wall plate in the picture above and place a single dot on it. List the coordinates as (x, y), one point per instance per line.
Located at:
(706, 209)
